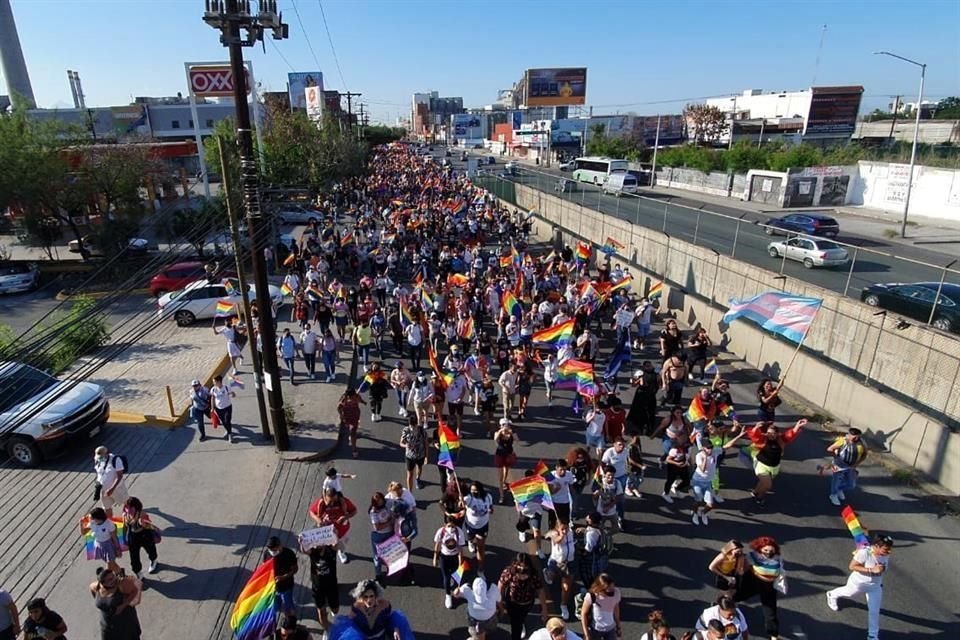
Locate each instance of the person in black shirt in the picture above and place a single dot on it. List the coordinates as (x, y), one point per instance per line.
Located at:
(41, 621)
(284, 568)
(323, 578)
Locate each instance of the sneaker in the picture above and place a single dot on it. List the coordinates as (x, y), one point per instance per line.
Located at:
(620, 524)
(342, 556)
(841, 495)
(230, 438)
(448, 601)
(139, 575)
(472, 547)
(403, 412)
(696, 517)
(203, 438)
(717, 498)
(666, 497)
(832, 602)
(329, 378)
(153, 567)
(547, 578)
(522, 536)
(835, 499)
(418, 484)
(673, 490)
(564, 612)
(704, 519)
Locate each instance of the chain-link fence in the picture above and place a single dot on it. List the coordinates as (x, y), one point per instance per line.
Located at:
(919, 366)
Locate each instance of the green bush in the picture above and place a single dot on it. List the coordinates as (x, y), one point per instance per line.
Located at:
(72, 334)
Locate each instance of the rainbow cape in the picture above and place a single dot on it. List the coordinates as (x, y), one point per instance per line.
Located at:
(698, 413)
(88, 536)
(457, 576)
(556, 335)
(255, 612)
(853, 525)
(582, 254)
(448, 443)
(224, 309)
(655, 291)
(511, 305)
(532, 489)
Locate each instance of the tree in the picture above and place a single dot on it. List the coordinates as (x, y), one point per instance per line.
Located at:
(380, 134)
(707, 121)
(195, 226)
(948, 109)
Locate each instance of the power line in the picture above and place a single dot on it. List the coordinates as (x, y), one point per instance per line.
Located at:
(280, 53)
(305, 35)
(332, 48)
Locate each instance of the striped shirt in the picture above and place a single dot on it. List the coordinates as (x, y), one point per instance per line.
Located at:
(766, 568)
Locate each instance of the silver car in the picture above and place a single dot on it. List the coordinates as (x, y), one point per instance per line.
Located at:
(812, 252)
(18, 276)
(295, 214)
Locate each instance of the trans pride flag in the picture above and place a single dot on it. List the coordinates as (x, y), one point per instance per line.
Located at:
(777, 311)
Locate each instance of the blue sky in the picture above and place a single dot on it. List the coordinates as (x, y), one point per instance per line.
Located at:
(638, 52)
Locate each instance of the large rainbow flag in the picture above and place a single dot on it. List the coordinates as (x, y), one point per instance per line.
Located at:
(556, 335)
(255, 612)
(448, 443)
(575, 374)
(88, 536)
(583, 251)
(532, 489)
(511, 305)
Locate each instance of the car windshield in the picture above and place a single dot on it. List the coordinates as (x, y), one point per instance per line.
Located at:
(14, 269)
(22, 384)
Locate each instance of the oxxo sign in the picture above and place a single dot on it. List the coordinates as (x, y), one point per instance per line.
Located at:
(213, 81)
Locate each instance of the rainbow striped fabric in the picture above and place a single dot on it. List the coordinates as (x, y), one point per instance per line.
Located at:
(457, 280)
(466, 329)
(511, 305)
(556, 335)
(88, 543)
(224, 309)
(655, 291)
(457, 576)
(286, 290)
(583, 251)
(576, 374)
(255, 612)
(506, 262)
(853, 526)
(448, 443)
(532, 489)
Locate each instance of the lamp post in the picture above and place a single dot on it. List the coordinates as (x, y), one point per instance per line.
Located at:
(916, 134)
(230, 17)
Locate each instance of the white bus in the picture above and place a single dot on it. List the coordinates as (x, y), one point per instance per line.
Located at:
(595, 169)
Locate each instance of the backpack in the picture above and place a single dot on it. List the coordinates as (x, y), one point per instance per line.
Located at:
(123, 459)
(605, 545)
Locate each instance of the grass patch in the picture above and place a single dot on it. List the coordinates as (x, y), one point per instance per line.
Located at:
(890, 233)
(906, 477)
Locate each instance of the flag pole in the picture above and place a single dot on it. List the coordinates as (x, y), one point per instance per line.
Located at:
(783, 376)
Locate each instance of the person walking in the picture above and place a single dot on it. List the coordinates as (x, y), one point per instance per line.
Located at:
(324, 585)
(309, 342)
(727, 614)
(504, 456)
(521, 586)
(600, 613)
(642, 416)
(728, 567)
(555, 629)
(770, 444)
(199, 406)
(479, 507)
(421, 397)
(414, 439)
(401, 381)
(111, 480)
(284, 569)
(559, 563)
(382, 528)
(141, 534)
(595, 550)
(9, 617)
(482, 603)
(763, 577)
(414, 335)
(42, 623)
(616, 457)
(508, 389)
(362, 339)
(848, 452)
(448, 543)
(333, 508)
(117, 598)
(329, 353)
(349, 410)
(223, 405)
(287, 348)
(867, 568)
(768, 397)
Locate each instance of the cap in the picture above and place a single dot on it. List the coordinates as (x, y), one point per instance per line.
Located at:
(195, 383)
(273, 542)
(101, 450)
(504, 421)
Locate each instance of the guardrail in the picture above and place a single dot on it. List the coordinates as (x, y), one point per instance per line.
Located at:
(737, 237)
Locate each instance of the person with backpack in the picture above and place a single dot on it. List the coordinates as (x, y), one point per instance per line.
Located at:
(595, 548)
(848, 452)
(199, 406)
(111, 487)
(600, 612)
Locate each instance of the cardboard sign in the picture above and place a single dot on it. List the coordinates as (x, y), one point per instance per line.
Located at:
(393, 552)
(325, 536)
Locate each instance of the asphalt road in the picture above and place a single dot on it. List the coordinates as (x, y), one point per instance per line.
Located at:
(679, 217)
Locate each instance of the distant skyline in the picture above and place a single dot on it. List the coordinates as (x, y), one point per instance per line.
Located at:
(642, 57)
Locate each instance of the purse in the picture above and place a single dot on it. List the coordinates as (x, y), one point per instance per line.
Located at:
(780, 584)
(97, 489)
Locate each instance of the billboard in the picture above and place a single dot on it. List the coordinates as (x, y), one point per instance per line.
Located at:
(313, 103)
(212, 81)
(672, 129)
(465, 124)
(833, 110)
(297, 84)
(331, 101)
(555, 87)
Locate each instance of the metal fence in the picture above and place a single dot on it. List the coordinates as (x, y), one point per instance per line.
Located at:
(919, 366)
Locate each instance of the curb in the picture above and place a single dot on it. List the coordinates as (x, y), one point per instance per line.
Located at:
(65, 294)
(322, 454)
(167, 422)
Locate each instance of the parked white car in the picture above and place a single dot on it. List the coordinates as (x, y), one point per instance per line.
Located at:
(568, 165)
(296, 214)
(41, 417)
(198, 301)
(812, 252)
(18, 276)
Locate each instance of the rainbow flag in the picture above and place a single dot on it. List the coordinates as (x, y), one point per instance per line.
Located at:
(426, 299)
(621, 284)
(541, 468)
(235, 382)
(347, 239)
(519, 285)
(696, 412)
(611, 246)
(228, 285)
(369, 379)
(224, 309)
(506, 262)
(582, 254)
(88, 536)
(598, 475)
(655, 291)
(511, 305)
(255, 613)
(448, 443)
(712, 367)
(517, 258)
(418, 280)
(457, 280)
(556, 335)
(457, 576)
(854, 526)
(286, 290)
(445, 378)
(574, 374)
(466, 329)
(532, 489)
(406, 315)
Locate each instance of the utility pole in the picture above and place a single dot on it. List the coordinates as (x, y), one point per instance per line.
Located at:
(229, 17)
(242, 278)
(350, 95)
(896, 110)
(360, 123)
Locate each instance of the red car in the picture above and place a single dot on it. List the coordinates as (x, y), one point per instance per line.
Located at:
(176, 276)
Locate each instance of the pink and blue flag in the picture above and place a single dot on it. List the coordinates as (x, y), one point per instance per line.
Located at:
(779, 312)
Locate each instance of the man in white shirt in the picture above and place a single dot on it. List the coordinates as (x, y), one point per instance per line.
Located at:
(308, 347)
(867, 568)
(595, 419)
(705, 468)
(508, 389)
(616, 457)
(110, 477)
(455, 393)
(414, 334)
(223, 405)
(560, 492)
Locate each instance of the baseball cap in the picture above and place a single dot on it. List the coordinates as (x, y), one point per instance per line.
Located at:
(195, 383)
(504, 421)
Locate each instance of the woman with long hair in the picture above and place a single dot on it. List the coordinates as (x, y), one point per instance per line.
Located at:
(659, 627)
(520, 587)
(504, 456)
(117, 597)
(728, 567)
(349, 409)
(448, 543)
(600, 613)
(560, 562)
(726, 612)
(383, 526)
(761, 577)
(141, 534)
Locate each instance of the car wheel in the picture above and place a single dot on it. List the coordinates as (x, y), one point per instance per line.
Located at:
(808, 263)
(773, 252)
(872, 300)
(184, 318)
(769, 231)
(942, 323)
(24, 452)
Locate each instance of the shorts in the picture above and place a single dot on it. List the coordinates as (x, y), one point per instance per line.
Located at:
(504, 461)
(413, 463)
(703, 492)
(556, 570)
(489, 625)
(595, 441)
(643, 329)
(326, 594)
(765, 470)
(480, 532)
(340, 322)
(455, 408)
(119, 496)
(284, 600)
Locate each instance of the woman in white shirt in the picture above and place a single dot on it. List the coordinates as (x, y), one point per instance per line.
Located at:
(559, 564)
(600, 613)
(482, 601)
(448, 544)
(727, 612)
(479, 506)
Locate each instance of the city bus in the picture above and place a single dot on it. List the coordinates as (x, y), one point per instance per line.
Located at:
(595, 169)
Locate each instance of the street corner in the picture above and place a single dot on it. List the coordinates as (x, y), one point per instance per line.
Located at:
(312, 442)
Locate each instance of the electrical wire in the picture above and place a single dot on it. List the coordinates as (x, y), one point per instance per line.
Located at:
(332, 48)
(305, 34)
(280, 53)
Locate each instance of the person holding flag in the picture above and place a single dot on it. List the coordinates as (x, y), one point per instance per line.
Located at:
(867, 568)
(848, 452)
(448, 543)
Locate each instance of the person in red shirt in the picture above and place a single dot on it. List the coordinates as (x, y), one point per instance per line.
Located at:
(616, 419)
(769, 444)
(333, 508)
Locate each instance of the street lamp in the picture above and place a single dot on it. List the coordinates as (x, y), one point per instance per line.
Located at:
(232, 18)
(916, 134)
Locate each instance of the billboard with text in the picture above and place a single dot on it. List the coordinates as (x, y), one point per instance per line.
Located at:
(213, 81)
(833, 110)
(555, 87)
(297, 84)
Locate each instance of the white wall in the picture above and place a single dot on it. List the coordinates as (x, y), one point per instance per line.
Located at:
(882, 185)
(767, 105)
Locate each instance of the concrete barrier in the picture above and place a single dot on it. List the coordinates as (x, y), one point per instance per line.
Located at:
(851, 359)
